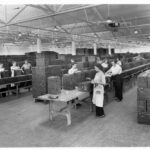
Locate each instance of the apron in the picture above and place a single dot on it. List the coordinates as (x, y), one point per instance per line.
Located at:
(98, 93)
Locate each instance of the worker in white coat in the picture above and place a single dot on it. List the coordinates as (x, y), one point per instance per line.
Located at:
(73, 69)
(13, 68)
(98, 93)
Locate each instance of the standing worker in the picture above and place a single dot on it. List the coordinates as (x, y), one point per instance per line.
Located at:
(26, 68)
(98, 94)
(119, 62)
(105, 65)
(115, 73)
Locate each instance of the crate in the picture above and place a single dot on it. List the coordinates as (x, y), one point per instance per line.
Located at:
(77, 78)
(54, 85)
(80, 65)
(91, 65)
(54, 70)
(68, 82)
(143, 118)
(86, 64)
(17, 72)
(84, 59)
(143, 94)
(39, 78)
(92, 73)
(141, 106)
(83, 78)
(44, 58)
(142, 81)
(92, 58)
(85, 86)
(148, 80)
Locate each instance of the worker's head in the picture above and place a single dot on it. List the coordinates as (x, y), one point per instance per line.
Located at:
(114, 62)
(105, 60)
(26, 61)
(98, 67)
(1, 65)
(98, 59)
(14, 63)
(72, 60)
(117, 59)
(74, 66)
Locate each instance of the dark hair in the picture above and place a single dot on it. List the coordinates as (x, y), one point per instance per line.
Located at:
(99, 66)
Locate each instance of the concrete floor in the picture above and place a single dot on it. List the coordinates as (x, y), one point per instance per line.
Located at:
(24, 123)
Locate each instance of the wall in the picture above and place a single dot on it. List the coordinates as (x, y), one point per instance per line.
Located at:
(14, 49)
(48, 47)
(133, 50)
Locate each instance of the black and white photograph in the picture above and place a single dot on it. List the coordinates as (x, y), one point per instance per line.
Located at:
(74, 74)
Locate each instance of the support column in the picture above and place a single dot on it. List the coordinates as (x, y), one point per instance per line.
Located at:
(73, 48)
(109, 49)
(39, 45)
(95, 48)
(5, 49)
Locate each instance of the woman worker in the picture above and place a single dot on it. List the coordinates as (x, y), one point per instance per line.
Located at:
(98, 93)
(73, 69)
(13, 68)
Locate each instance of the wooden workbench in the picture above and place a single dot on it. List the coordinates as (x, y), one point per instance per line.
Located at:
(67, 99)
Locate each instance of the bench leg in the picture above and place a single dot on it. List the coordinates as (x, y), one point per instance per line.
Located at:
(68, 115)
(50, 110)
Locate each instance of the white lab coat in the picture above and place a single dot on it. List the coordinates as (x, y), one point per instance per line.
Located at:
(98, 93)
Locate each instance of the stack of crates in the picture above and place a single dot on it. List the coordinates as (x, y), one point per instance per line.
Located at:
(143, 97)
(40, 75)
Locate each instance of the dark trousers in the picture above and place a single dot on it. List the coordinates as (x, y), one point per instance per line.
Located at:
(118, 85)
(99, 111)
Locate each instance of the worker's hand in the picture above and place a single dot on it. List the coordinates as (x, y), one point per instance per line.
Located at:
(88, 78)
(92, 81)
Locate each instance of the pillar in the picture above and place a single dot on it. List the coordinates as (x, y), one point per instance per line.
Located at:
(5, 49)
(109, 49)
(73, 48)
(39, 45)
(95, 48)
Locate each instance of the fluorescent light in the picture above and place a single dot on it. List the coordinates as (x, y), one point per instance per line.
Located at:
(109, 21)
(135, 32)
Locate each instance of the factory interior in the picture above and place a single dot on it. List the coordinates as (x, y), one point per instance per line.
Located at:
(74, 75)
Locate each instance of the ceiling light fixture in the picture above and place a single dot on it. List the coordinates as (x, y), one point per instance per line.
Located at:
(135, 32)
(55, 28)
(109, 20)
(19, 34)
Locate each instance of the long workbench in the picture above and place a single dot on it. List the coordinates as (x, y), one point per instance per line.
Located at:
(66, 100)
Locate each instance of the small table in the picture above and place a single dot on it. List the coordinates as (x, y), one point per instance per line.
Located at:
(69, 98)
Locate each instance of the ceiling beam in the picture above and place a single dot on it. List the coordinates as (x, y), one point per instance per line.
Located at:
(37, 6)
(16, 15)
(50, 15)
(60, 7)
(52, 31)
(57, 22)
(49, 9)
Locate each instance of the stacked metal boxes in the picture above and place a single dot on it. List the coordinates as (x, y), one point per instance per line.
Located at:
(143, 97)
(40, 75)
(68, 82)
(54, 85)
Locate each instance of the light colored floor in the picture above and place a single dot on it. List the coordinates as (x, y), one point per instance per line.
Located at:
(24, 123)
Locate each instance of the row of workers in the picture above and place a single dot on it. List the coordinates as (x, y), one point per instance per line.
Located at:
(99, 81)
(25, 67)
